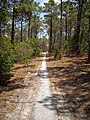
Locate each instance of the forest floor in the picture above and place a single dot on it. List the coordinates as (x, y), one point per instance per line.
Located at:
(16, 99)
(70, 85)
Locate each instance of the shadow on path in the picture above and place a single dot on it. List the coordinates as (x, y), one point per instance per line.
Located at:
(73, 88)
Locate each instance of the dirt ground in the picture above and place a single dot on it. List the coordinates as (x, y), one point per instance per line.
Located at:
(70, 84)
(16, 92)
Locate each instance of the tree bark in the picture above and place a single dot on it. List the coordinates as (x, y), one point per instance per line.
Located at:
(0, 28)
(13, 31)
(89, 44)
(12, 34)
(66, 36)
(66, 28)
(29, 28)
(77, 34)
(31, 32)
(21, 26)
(50, 43)
(54, 39)
(60, 45)
(36, 32)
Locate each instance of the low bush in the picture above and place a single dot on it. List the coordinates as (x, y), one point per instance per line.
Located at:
(26, 50)
(6, 58)
(21, 52)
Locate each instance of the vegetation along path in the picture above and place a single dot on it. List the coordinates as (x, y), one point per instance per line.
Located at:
(43, 108)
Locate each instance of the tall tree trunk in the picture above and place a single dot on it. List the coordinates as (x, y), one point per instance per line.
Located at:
(66, 36)
(36, 32)
(60, 45)
(50, 43)
(54, 39)
(89, 43)
(77, 50)
(29, 28)
(12, 34)
(21, 26)
(0, 28)
(66, 28)
(31, 32)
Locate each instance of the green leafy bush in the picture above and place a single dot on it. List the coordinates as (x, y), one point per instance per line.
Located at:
(34, 43)
(26, 50)
(6, 57)
(23, 52)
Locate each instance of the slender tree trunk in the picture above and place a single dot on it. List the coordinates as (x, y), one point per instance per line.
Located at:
(29, 28)
(60, 45)
(0, 28)
(50, 43)
(54, 40)
(31, 32)
(66, 36)
(21, 26)
(35, 26)
(36, 32)
(77, 50)
(66, 28)
(12, 34)
(89, 43)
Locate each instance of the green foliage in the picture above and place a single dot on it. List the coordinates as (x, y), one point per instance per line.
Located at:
(34, 43)
(44, 44)
(56, 50)
(84, 47)
(26, 50)
(21, 52)
(6, 57)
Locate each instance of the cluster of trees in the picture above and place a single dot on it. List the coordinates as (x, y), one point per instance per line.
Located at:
(20, 19)
(69, 27)
(20, 25)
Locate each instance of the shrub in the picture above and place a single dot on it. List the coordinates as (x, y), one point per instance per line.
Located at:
(23, 52)
(6, 58)
(26, 50)
(35, 44)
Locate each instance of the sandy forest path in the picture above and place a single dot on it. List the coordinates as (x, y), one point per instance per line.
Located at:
(24, 101)
(31, 98)
(62, 93)
(16, 99)
(43, 108)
